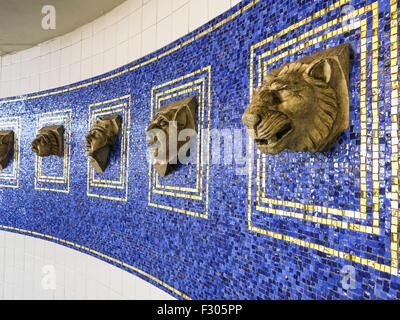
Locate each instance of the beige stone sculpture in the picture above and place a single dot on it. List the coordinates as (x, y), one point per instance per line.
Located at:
(6, 145)
(170, 120)
(49, 141)
(101, 138)
(302, 106)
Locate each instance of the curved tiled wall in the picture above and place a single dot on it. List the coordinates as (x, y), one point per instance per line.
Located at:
(292, 225)
(128, 32)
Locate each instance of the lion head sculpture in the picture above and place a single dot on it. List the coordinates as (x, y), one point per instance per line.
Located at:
(302, 106)
(6, 145)
(100, 139)
(48, 142)
(170, 120)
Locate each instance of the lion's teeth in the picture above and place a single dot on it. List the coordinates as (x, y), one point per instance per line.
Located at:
(271, 134)
(269, 125)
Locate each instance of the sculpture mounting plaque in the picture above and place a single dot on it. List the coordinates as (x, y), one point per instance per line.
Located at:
(303, 105)
(163, 132)
(6, 145)
(100, 139)
(49, 141)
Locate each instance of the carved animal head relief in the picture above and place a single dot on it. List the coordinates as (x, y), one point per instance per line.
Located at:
(164, 129)
(302, 106)
(6, 145)
(49, 141)
(100, 139)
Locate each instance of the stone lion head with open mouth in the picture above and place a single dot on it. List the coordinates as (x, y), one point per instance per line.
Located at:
(302, 106)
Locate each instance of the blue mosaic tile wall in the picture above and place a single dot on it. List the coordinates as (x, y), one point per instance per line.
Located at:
(284, 226)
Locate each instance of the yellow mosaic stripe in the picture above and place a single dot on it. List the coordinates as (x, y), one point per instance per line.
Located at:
(291, 28)
(363, 120)
(394, 65)
(314, 16)
(326, 250)
(315, 219)
(319, 29)
(208, 69)
(375, 118)
(208, 142)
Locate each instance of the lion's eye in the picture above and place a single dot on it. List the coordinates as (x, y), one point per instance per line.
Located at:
(284, 92)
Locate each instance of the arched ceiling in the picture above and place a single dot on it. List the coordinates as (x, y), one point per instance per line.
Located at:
(21, 20)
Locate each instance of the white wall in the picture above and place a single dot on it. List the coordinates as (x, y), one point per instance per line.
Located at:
(25, 262)
(127, 33)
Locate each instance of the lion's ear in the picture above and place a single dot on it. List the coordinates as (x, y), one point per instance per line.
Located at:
(116, 124)
(320, 70)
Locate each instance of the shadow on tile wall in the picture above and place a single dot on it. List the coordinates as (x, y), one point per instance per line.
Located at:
(286, 226)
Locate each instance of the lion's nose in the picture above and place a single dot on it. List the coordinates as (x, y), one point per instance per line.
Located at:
(251, 120)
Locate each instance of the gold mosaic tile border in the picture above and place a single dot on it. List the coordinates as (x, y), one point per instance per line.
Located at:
(393, 267)
(203, 125)
(119, 184)
(45, 122)
(12, 123)
(43, 119)
(199, 182)
(122, 183)
(394, 64)
(362, 214)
